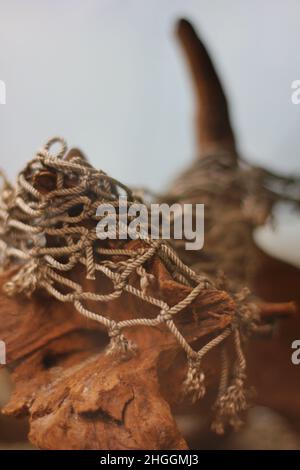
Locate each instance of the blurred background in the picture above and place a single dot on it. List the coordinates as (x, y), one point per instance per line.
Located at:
(109, 76)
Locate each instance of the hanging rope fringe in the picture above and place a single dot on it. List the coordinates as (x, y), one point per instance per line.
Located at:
(194, 382)
(232, 399)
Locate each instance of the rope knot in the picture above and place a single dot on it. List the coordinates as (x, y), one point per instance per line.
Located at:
(146, 279)
(204, 282)
(119, 345)
(164, 316)
(114, 330)
(77, 295)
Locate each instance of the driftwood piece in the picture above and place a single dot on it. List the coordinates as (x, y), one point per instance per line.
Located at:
(75, 394)
(95, 403)
(239, 198)
(79, 397)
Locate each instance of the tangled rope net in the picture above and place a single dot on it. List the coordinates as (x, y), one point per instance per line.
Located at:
(238, 197)
(48, 227)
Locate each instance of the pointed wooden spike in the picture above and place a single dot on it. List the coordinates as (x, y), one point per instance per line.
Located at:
(214, 130)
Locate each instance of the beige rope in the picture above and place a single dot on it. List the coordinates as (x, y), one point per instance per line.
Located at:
(194, 383)
(51, 233)
(232, 400)
(238, 197)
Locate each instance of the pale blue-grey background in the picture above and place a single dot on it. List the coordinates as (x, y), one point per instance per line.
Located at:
(109, 76)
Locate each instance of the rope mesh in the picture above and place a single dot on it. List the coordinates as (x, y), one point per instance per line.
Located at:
(47, 226)
(238, 197)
